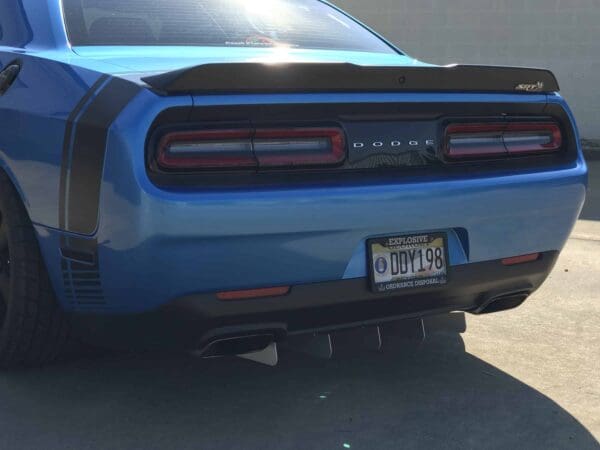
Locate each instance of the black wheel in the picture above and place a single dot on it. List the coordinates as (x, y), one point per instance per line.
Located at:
(33, 328)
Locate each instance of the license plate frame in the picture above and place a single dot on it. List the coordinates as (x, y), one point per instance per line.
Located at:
(384, 281)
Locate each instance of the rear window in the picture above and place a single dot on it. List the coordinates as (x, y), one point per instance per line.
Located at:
(309, 24)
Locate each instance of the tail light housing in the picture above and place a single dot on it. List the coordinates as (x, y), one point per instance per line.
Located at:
(251, 149)
(466, 141)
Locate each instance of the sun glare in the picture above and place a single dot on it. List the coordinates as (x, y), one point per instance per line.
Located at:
(271, 11)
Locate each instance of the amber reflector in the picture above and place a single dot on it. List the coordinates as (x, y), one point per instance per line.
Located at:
(253, 293)
(521, 259)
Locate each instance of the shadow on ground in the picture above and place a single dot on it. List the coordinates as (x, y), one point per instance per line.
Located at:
(591, 209)
(437, 396)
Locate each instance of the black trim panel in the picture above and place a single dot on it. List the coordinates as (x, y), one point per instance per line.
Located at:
(81, 271)
(344, 77)
(423, 161)
(84, 163)
(67, 147)
(191, 321)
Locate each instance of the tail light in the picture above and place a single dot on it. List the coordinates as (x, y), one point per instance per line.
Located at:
(262, 148)
(482, 140)
(208, 149)
(299, 147)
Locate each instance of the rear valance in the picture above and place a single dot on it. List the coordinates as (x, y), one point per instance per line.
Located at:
(342, 77)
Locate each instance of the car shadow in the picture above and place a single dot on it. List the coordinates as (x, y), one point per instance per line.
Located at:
(433, 396)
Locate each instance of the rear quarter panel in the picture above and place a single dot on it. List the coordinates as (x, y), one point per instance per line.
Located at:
(33, 117)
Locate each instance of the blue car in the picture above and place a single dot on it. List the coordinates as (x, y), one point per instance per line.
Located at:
(223, 175)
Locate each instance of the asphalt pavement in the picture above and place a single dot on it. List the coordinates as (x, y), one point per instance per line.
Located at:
(528, 378)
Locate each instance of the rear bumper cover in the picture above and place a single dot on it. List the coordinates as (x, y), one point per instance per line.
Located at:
(193, 321)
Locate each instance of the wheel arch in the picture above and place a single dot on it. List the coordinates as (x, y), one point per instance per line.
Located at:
(6, 168)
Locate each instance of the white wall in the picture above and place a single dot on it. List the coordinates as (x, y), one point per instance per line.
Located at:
(563, 35)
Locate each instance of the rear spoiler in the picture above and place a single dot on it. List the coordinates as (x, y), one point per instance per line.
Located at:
(250, 78)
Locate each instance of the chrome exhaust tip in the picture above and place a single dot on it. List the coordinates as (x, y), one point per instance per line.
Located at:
(237, 345)
(502, 302)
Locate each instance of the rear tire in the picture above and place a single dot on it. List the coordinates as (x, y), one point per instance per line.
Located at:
(33, 328)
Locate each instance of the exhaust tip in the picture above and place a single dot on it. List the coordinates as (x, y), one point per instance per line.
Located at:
(503, 302)
(237, 345)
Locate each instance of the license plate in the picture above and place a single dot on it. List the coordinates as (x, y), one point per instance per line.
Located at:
(410, 261)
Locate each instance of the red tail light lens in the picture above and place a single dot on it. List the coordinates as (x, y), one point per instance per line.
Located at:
(299, 147)
(466, 141)
(207, 149)
(532, 138)
(482, 140)
(263, 148)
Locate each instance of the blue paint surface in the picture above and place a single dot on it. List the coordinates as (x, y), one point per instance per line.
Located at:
(159, 244)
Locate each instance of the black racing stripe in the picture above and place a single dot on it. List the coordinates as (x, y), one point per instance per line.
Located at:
(87, 156)
(67, 146)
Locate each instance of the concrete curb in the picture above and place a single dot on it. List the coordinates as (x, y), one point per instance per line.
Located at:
(591, 149)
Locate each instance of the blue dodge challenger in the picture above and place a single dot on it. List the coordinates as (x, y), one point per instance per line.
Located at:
(224, 175)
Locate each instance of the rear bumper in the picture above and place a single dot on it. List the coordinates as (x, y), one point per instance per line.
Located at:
(170, 245)
(194, 321)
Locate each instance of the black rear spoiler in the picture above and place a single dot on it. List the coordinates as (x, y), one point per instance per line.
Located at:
(342, 77)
